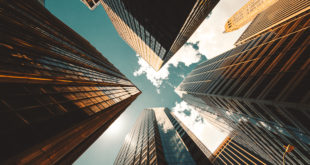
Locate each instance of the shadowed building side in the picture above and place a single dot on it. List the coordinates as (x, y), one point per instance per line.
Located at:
(263, 80)
(156, 30)
(58, 93)
(200, 153)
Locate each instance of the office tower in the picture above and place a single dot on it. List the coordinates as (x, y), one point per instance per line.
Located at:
(198, 150)
(265, 79)
(214, 119)
(232, 152)
(58, 93)
(280, 12)
(156, 30)
(157, 138)
(91, 4)
(263, 139)
(247, 13)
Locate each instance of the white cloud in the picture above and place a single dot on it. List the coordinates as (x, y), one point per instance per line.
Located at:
(210, 33)
(212, 42)
(187, 55)
(155, 77)
(209, 135)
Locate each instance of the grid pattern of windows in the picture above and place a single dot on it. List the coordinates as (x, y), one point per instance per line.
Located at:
(175, 150)
(58, 93)
(267, 142)
(265, 79)
(231, 152)
(247, 13)
(143, 144)
(152, 29)
(157, 138)
(276, 14)
(198, 150)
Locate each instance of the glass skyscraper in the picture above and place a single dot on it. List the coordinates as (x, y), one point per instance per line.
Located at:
(156, 30)
(272, 17)
(158, 138)
(232, 152)
(58, 94)
(247, 13)
(263, 81)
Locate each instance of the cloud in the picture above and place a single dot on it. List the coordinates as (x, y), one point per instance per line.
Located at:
(210, 34)
(155, 77)
(208, 40)
(187, 55)
(209, 135)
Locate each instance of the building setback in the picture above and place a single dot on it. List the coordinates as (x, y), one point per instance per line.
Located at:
(277, 14)
(247, 13)
(156, 30)
(58, 93)
(265, 81)
(159, 138)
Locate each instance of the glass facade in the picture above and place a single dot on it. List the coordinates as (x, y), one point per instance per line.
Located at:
(158, 132)
(280, 12)
(153, 29)
(58, 93)
(232, 152)
(263, 81)
(247, 13)
(143, 145)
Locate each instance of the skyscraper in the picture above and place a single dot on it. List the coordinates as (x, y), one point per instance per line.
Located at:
(58, 93)
(156, 30)
(232, 152)
(264, 80)
(274, 16)
(247, 13)
(159, 138)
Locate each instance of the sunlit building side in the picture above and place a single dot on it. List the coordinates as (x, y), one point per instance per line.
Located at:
(247, 13)
(58, 94)
(156, 30)
(232, 152)
(280, 12)
(158, 137)
(264, 80)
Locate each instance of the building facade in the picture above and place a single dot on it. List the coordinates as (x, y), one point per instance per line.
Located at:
(58, 93)
(159, 138)
(277, 14)
(156, 30)
(264, 80)
(232, 152)
(247, 13)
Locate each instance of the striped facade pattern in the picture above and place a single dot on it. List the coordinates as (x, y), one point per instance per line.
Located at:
(265, 80)
(200, 153)
(247, 13)
(275, 15)
(156, 41)
(231, 152)
(58, 93)
(266, 142)
(143, 144)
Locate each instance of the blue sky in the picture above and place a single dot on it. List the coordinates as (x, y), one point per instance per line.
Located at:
(157, 87)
